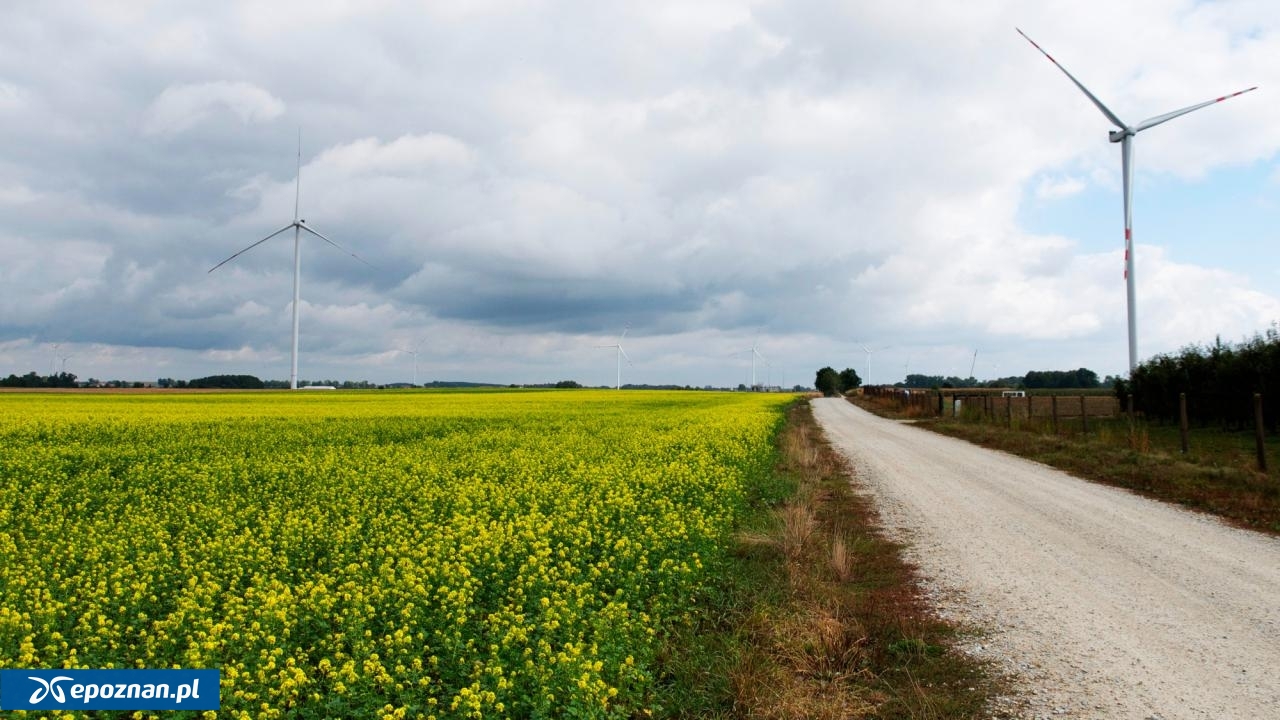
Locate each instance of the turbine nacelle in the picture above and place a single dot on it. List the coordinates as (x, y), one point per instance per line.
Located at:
(1119, 135)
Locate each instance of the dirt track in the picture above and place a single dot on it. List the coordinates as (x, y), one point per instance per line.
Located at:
(1104, 604)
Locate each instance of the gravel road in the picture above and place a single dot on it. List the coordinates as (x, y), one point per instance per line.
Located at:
(1100, 603)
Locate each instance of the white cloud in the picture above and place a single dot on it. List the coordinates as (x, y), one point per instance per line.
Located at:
(17, 194)
(181, 107)
(1056, 188)
(12, 97)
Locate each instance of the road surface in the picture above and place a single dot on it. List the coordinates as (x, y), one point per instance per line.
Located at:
(1102, 603)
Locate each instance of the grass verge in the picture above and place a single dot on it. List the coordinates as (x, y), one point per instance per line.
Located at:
(1218, 475)
(818, 615)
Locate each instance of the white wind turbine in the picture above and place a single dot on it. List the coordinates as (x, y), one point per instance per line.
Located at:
(621, 354)
(414, 352)
(870, 352)
(754, 351)
(1125, 136)
(298, 225)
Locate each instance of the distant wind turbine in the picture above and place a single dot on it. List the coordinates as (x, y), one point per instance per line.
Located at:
(870, 352)
(298, 225)
(1125, 136)
(754, 351)
(414, 353)
(621, 354)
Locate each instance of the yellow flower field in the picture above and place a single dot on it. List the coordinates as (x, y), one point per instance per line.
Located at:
(366, 554)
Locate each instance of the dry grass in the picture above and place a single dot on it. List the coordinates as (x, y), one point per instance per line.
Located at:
(837, 628)
(797, 527)
(841, 561)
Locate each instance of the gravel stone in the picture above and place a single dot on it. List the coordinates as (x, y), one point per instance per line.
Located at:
(1097, 602)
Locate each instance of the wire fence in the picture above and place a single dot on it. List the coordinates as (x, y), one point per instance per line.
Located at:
(1058, 413)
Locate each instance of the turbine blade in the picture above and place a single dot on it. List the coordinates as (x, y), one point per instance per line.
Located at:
(625, 355)
(233, 257)
(624, 332)
(602, 347)
(1152, 122)
(313, 232)
(1105, 110)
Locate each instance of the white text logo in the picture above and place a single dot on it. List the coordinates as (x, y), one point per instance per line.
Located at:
(49, 687)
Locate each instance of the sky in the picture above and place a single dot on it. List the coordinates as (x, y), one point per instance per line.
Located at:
(526, 179)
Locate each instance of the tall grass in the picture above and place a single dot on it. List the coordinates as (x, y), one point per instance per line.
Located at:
(821, 618)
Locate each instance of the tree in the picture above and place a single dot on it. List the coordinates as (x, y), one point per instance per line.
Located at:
(568, 384)
(228, 381)
(827, 382)
(849, 380)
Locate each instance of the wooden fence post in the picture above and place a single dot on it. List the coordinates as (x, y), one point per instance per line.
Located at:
(1008, 411)
(1258, 432)
(1084, 417)
(1182, 420)
(1129, 411)
(1054, 402)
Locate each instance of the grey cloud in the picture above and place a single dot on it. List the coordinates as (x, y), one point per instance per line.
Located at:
(543, 173)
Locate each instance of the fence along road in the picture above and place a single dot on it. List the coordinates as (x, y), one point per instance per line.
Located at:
(1106, 604)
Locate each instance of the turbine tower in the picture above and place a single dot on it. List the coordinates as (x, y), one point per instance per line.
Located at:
(755, 352)
(621, 354)
(870, 352)
(414, 352)
(298, 225)
(1124, 135)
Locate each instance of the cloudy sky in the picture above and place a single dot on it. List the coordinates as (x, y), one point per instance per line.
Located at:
(526, 178)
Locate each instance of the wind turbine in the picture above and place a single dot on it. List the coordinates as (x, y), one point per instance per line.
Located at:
(298, 225)
(754, 350)
(414, 353)
(621, 354)
(1125, 136)
(870, 352)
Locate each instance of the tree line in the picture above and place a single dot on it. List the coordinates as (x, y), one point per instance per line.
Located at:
(32, 380)
(1219, 380)
(830, 383)
(1034, 380)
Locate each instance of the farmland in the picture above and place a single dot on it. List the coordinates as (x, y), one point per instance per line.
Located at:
(366, 554)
